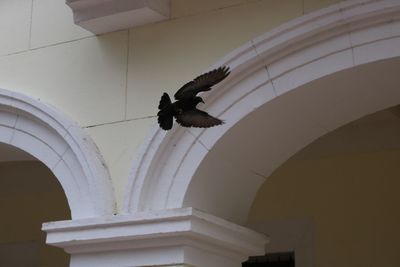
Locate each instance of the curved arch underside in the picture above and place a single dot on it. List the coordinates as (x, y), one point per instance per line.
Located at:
(241, 161)
(284, 81)
(63, 147)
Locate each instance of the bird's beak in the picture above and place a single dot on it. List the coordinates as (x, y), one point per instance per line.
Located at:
(202, 101)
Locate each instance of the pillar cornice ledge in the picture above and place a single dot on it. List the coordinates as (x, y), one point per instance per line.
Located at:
(113, 15)
(167, 237)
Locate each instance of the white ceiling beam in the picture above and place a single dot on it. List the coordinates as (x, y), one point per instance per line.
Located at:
(102, 16)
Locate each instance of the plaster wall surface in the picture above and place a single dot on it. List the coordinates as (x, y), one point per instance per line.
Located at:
(29, 196)
(111, 84)
(342, 193)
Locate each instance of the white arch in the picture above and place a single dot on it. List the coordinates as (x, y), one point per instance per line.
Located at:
(63, 147)
(340, 37)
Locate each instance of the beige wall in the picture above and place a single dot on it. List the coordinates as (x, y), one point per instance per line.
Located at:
(29, 196)
(111, 84)
(349, 192)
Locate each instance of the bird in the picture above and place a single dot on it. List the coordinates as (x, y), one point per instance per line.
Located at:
(184, 108)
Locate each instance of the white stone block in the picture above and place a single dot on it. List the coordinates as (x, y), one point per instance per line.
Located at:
(101, 17)
(314, 70)
(309, 55)
(36, 147)
(378, 50)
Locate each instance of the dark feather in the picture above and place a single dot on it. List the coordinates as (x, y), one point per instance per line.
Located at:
(165, 101)
(197, 118)
(184, 109)
(202, 83)
(165, 115)
(165, 120)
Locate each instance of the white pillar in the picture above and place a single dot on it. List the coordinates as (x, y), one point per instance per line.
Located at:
(155, 238)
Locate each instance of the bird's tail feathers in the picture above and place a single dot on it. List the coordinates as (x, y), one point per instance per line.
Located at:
(164, 102)
(165, 115)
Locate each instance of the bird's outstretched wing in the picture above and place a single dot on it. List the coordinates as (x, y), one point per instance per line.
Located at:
(202, 83)
(197, 118)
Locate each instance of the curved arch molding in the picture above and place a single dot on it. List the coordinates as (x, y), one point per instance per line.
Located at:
(333, 39)
(63, 147)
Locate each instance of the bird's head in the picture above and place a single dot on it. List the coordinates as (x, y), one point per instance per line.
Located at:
(198, 99)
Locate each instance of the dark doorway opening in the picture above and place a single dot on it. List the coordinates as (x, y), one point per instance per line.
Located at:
(282, 259)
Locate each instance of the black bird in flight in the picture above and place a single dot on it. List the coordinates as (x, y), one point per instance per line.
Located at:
(184, 108)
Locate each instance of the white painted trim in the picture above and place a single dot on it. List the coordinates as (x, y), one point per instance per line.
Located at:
(63, 147)
(112, 15)
(179, 236)
(339, 37)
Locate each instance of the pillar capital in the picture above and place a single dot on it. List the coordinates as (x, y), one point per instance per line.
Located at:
(156, 238)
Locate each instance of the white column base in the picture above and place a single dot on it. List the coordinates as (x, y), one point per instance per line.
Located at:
(156, 238)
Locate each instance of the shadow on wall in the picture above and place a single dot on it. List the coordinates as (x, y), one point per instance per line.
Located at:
(29, 196)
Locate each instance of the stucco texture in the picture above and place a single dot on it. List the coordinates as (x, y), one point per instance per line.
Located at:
(29, 196)
(350, 199)
(111, 83)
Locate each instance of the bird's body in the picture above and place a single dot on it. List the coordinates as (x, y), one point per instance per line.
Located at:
(184, 109)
